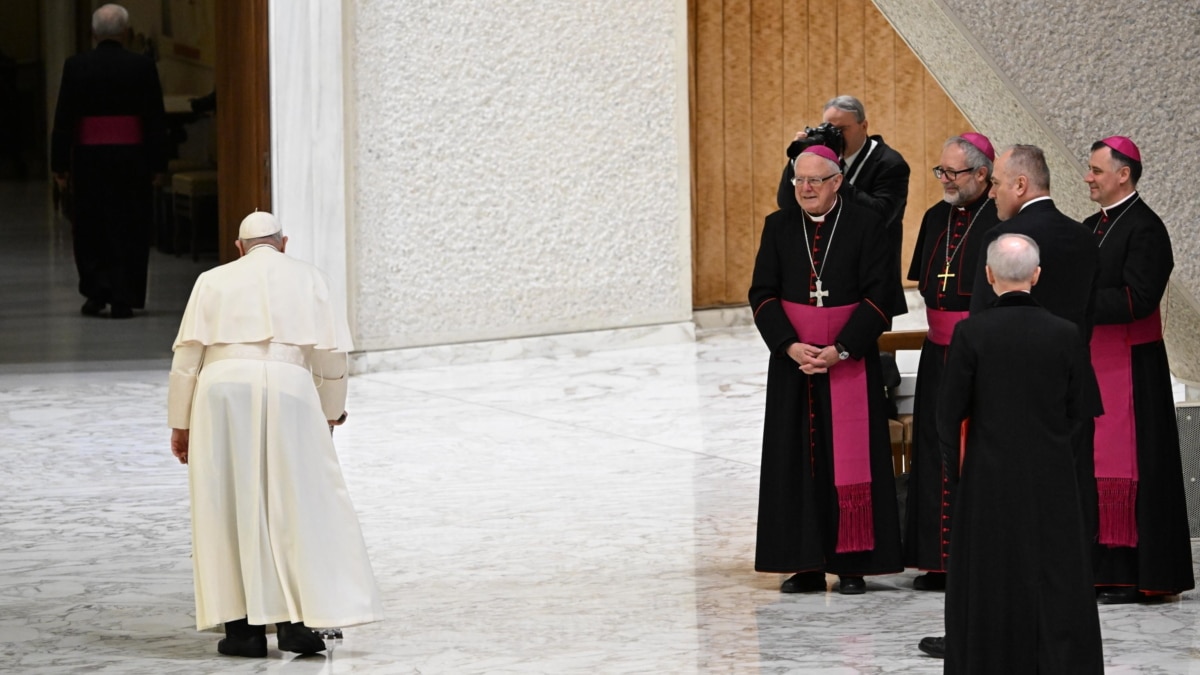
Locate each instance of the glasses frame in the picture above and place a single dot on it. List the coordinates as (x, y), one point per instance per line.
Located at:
(940, 171)
(815, 182)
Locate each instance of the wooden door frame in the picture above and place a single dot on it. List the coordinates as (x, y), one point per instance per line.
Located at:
(243, 116)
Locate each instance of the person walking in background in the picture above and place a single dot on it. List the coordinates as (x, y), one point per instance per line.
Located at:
(108, 144)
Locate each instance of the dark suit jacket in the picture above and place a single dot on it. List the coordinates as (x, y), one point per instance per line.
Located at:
(880, 184)
(1070, 265)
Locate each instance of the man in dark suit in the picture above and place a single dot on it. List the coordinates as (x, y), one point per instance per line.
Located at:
(1019, 596)
(1021, 190)
(1067, 286)
(108, 143)
(876, 176)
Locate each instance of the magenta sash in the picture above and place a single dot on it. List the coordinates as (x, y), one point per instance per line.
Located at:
(1116, 433)
(110, 130)
(941, 325)
(850, 422)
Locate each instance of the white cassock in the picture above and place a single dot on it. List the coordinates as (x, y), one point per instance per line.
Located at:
(260, 365)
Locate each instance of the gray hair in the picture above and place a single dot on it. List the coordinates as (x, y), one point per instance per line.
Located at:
(848, 104)
(974, 156)
(275, 240)
(1030, 161)
(110, 21)
(1013, 258)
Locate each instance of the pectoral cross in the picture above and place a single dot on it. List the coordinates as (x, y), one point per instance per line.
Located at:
(819, 294)
(944, 276)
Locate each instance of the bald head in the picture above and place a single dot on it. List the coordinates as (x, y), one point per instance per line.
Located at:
(110, 22)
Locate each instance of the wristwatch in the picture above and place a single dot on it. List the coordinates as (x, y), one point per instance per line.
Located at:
(843, 353)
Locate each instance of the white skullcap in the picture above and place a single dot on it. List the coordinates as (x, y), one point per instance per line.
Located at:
(258, 224)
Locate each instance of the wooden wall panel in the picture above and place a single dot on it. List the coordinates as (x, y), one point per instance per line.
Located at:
(739, 165)
(708, 151)
(766, 74)
(851, 66)
(822, 59)
(761, 71)
(879, 92)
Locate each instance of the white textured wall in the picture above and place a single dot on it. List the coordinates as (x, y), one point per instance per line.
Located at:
(516, 168)
(1063, 74)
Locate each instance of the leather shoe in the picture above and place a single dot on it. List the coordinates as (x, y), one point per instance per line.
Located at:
(933, 646)
(121, 312)
(804, 582)
(92, 308)
(930, 581)
(1119, 595)
(242, 639)
(298, 638)
(852, 586)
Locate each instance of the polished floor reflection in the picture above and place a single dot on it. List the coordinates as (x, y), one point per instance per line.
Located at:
(586, 514)
(41, 328)
(591, 514)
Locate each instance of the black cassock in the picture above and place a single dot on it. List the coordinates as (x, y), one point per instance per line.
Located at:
(1019, 595)
(947, 233)
(878, 180)
(798, 504)
(111, 183)
(1135, 265)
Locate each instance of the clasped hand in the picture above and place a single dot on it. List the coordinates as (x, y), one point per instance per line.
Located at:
(812, 359)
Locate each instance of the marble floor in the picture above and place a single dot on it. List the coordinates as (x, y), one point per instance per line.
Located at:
(592, 513)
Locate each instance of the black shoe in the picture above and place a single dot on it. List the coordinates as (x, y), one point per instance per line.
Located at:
(804, 582)
(242, 639)
(933, 646)
(121, 312)
(1119, 595)
(930, 581)
(92, 308)
(852, 586)
(296, 637)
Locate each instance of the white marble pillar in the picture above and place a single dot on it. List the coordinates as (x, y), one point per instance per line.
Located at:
(308, 133)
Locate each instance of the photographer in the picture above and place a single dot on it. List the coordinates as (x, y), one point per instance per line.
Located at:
(876, 176)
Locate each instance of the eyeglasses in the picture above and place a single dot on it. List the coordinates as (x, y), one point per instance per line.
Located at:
(815, 182)
(940, 172)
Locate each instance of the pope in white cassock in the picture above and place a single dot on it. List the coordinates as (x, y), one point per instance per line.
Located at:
(259, 375)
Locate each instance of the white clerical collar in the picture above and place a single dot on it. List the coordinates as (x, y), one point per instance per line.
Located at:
(256, 246)
(1033, 201)
(1110, 207)
(821, 218)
